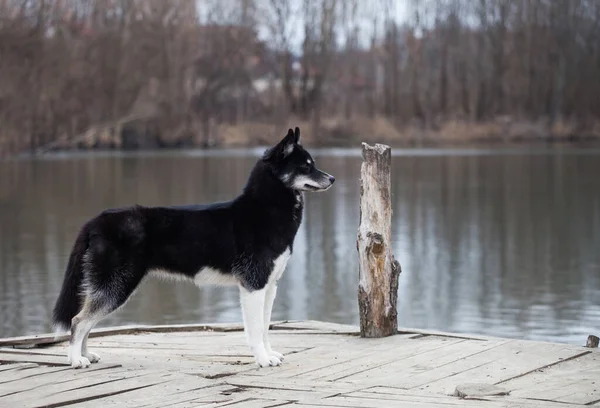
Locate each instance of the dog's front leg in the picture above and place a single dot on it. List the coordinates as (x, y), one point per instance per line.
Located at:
(253, 306)
(269, 300)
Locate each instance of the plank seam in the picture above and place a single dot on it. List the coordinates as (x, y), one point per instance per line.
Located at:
(36, 375)
(450, 375)
(370, 350)
(49, 339)
(391, 362)
(545, 366)
(94, 397)
(446, 335)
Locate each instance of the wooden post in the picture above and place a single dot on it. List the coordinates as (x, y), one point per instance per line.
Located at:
(378, 270)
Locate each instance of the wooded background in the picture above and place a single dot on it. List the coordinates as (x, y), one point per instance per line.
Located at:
(155, 73)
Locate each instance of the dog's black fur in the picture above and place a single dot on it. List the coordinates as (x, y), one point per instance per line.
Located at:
(241, 238)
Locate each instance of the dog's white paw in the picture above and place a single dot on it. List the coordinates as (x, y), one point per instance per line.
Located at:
(268, 361)
(93, 357)
(273, 353)
(81, 362)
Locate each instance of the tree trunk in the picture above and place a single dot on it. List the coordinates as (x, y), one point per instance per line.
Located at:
(443, 103)
(378, 270)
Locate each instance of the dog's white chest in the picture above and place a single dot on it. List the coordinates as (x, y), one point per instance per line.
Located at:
(279, 265)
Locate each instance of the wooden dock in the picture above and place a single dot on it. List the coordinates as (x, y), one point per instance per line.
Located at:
(326, 365)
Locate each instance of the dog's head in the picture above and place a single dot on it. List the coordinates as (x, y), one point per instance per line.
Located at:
(294, 166)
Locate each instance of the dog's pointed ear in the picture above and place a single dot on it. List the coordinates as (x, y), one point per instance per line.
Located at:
(288, 142)
(282, 149)
(290, 137)
(296, 135)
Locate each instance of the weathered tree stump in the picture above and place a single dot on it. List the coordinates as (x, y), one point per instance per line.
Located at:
(378, 270)
(592, 341)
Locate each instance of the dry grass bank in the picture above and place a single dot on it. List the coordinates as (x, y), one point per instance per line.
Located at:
(333, 132)
(342, 132)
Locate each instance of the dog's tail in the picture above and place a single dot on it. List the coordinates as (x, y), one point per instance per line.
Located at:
(69, 301)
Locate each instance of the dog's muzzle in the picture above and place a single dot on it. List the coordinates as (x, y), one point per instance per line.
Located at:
(323, 182)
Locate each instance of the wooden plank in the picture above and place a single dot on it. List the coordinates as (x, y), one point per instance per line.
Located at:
(306, 360)
(39, 379)
(424, 400)
(343, 404)
(430, 399)
(334, 353)
(322, 368)
(210, 351)
(41, 387)
(208, 366)
(441, 333)
(52, 338)
(384, 356)
(381, 377)
(187, 364)
(173, 390)
(366, 403)
(506, 400)
(314, 325)
(324, 327)
(32, 351)
(223, 395)
(20, 375)
(34, 358)
(12, 366)
(256, 403)
(289, 393)
(344, 401)
(362, 354)
(166, 338)
(419, 361)
(372, 403)
(8, 375)
(197, 394)
(188, 404)
(492, 366)
(298, 384)
(576, 381)
(207, 355)
(84, 390)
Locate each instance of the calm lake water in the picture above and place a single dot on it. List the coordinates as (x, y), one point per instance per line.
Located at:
(503, 243)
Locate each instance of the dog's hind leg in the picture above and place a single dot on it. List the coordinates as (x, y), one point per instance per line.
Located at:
(253, 312)
(92, 320)
(82, 324)
(98, 304)
(271, 292)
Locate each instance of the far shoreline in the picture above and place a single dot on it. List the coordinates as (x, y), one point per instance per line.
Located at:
(334, 132)
(463, 148)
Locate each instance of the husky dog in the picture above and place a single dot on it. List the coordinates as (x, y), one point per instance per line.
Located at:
(245, 242)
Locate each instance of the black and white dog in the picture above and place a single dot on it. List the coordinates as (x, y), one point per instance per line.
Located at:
(245, 242)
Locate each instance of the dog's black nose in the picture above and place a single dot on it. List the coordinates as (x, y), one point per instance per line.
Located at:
(331, 179)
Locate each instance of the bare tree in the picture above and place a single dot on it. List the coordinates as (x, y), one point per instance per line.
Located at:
(104, 73)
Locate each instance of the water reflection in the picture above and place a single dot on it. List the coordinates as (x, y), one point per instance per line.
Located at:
(501, 244)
